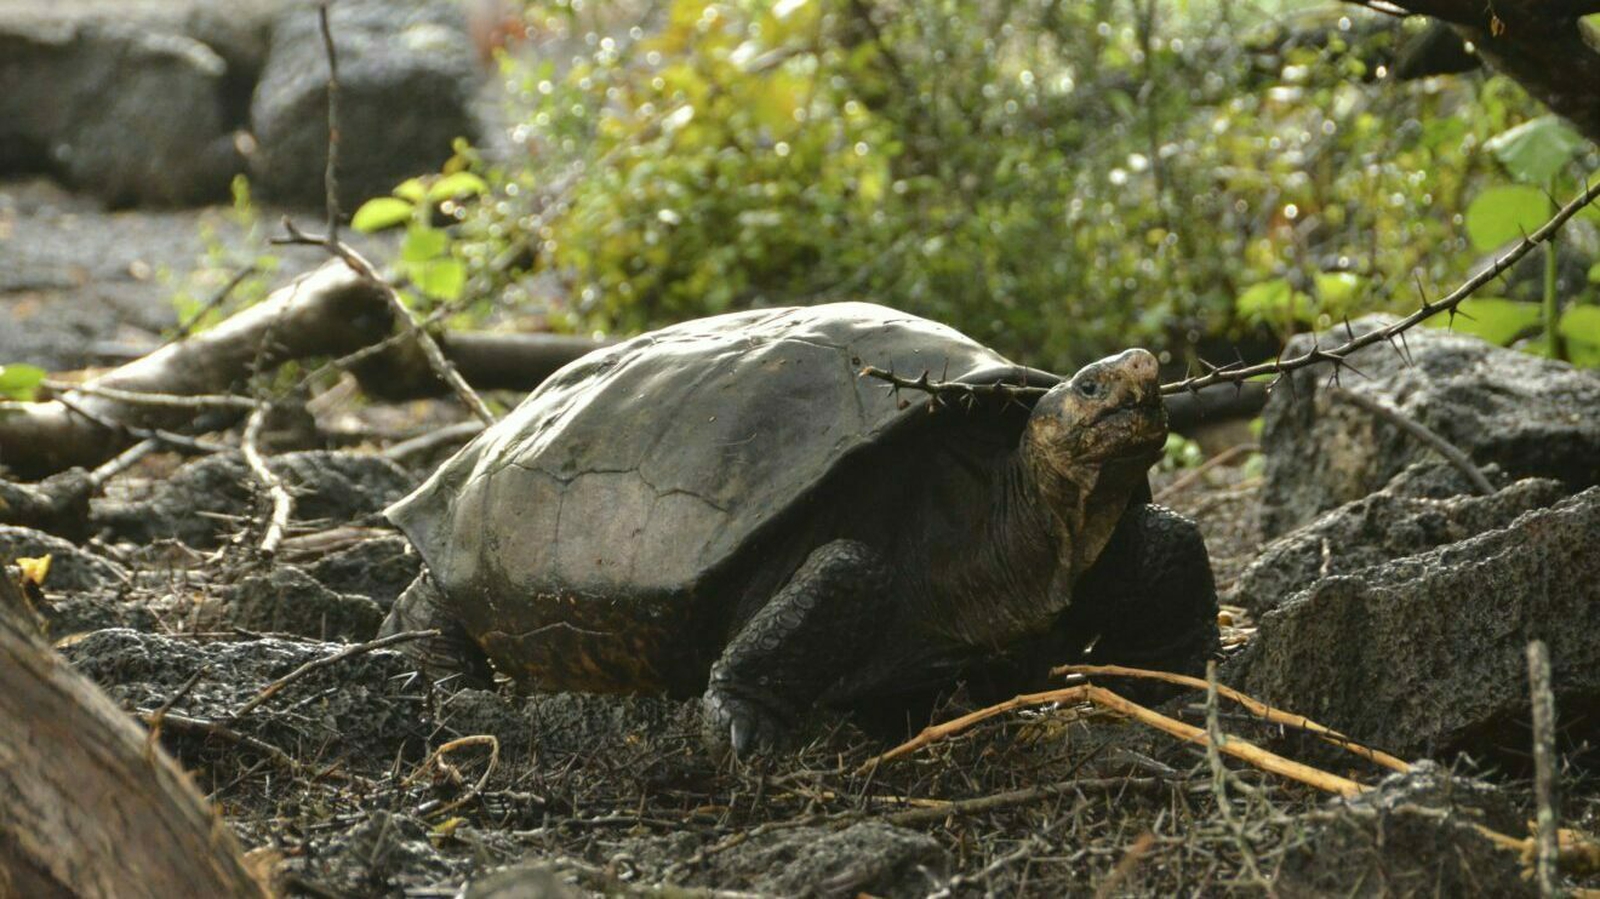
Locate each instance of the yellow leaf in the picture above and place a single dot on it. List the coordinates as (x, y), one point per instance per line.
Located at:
(35, 570)
(447, 827)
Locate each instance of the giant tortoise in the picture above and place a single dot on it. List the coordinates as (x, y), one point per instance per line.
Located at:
(725, 506)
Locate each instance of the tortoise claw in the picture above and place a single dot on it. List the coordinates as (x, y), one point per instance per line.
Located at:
(747, 726)
(739, 732)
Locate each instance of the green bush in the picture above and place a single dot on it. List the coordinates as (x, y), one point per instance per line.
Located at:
(1058, 179)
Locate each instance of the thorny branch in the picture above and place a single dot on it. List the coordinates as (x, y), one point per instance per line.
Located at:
(1237, 373)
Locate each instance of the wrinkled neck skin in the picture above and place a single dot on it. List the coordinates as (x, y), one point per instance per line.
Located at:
(1046, 525)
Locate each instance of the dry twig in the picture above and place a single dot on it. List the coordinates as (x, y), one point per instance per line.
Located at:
(282, 501)
(1099, 696)
(316, 664)
(141, 398)
(1256, 707)
(1547, 823)
(437, 758)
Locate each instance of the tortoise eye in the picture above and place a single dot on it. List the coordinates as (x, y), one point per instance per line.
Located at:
(1089, 387)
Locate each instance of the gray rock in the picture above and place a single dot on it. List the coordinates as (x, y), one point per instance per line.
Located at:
(1425, 655)
(71, 569)
(380, 569)
(287, 600)
(407, 78)
(192, 506)
(132, 115)
(1530, 416)
(1388, 525)
(1413, 835)
(872, 857)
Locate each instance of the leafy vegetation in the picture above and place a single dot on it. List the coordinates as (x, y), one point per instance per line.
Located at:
(1057, 179)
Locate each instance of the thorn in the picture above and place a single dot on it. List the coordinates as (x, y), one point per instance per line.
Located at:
(1427, 305)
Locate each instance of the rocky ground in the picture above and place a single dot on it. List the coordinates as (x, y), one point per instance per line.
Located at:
(1399, 617)
(1367, 584)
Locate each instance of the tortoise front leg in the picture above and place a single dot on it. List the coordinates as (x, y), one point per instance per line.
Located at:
(809, 634)
(1149, 598)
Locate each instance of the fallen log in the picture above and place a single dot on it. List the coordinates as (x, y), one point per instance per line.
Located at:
(331, 312)
(92, 808)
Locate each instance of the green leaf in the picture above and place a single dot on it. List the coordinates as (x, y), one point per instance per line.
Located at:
(460, 184)
(1274, 301)
(1337, 290)
(411, 189)
(380, 213)
(1501, 214)
(1496, 320)
(441, 280)
(1580, 327)
(1536, 150)
(20, 382)
(423, 243)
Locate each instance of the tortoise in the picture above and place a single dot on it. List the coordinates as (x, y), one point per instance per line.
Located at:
(724, 507)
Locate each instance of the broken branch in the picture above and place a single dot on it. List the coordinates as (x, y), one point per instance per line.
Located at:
(282, 502)
(1255, 706)
(1099, 696)
(348, 652)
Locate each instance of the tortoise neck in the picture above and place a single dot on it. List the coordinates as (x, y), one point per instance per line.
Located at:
(1079, 505)
(1009, 585)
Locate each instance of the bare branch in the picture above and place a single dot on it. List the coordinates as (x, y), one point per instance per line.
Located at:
(143, 398)
(1421, 432)
(282, 502)
(330, 179)
(273, 688)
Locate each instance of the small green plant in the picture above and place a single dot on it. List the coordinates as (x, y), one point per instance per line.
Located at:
(1535, 154)
(1181, 452)
(197, 295)
(428, 261)
(20, 382)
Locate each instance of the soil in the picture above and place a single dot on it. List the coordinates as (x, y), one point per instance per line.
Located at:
(362, 778)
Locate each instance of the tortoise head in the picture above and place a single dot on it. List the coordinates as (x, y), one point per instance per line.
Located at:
(1089, 444)
(1109, 412)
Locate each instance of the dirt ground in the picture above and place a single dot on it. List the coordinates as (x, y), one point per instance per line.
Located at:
(362, 778)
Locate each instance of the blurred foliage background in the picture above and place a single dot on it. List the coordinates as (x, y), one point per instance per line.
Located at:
(1057, 178)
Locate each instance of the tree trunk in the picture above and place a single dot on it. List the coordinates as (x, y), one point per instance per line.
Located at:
(87, 808)
(1539, 43)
